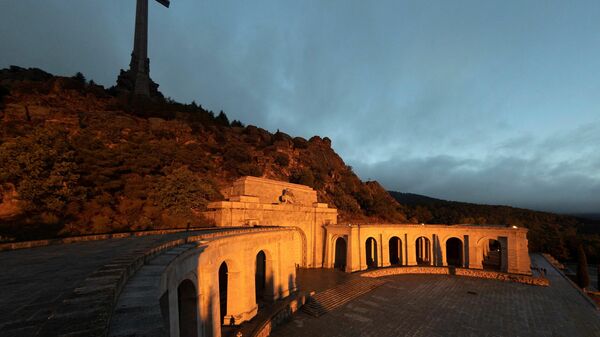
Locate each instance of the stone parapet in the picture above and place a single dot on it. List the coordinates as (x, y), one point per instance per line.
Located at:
(94, 237)
(486, 274)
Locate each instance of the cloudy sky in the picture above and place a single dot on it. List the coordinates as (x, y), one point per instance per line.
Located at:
(481, 101)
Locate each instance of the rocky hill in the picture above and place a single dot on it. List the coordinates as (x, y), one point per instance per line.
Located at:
(76, 158)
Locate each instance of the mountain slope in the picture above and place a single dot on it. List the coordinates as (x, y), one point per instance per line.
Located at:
(76, 158)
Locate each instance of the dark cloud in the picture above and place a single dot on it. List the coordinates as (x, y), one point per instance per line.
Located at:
(559, 173)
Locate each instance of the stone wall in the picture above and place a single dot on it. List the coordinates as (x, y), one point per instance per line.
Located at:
(514, 258)
(239, 253)
(256, 202)
(487, 274)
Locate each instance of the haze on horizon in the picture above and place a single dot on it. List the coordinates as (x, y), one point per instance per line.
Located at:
(486, 102)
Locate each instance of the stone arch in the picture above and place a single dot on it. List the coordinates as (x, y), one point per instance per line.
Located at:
(340, 246)
(423, 250)
(371, 252)
(492, 253)
(303, 256)
(395, 250)
(187, 301)
(230, 282)
(264, 275)
(454, 248)
(260, 275)
(223, 290)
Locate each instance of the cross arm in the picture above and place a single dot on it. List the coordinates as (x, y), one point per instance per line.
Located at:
(165, 3)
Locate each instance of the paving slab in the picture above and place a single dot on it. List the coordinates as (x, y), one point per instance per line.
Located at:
(444, 305)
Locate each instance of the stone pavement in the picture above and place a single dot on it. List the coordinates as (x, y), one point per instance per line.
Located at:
(436, 305)
(36, 281)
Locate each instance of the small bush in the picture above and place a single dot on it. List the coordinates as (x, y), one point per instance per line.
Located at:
(282, 159)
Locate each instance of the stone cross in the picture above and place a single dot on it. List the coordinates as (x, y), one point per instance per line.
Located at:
(139, 67)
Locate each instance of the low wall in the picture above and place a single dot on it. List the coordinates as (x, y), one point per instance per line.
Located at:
(486, 274)
(93, 237)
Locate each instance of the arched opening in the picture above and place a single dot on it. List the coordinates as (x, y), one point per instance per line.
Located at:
(454, 252)
(371, 249)
(223, 283)
(187, 304)
(341, 249)
(260, 277)
(395, 245)
(423, 251)
(492, 254)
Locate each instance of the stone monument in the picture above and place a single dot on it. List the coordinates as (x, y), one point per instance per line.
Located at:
(137, 79)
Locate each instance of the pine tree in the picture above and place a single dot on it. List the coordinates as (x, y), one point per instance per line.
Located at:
(583, 277)
(222, 119)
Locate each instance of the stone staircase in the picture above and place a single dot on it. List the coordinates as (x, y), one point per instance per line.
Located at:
(492, 259)
(333, 298)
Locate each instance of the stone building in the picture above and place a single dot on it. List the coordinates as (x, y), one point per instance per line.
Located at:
(266, 229)
(352, 247)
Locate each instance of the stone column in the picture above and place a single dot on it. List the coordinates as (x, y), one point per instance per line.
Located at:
(329, 250)
(411, 252)
(475, 256)
(354, 260)
(385, 252)
(140, 64)
(173, 311)
(241, 299)
(444, 257)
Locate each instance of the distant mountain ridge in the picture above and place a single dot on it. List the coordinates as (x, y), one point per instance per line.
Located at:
(412, 199)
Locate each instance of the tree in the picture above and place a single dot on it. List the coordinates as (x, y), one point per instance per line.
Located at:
(583, 277)
(79, 77)
(181, 192)
(222, 119)
(236, 123)
(42, 165)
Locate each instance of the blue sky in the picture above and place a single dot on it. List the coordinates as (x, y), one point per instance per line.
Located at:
(480, 101)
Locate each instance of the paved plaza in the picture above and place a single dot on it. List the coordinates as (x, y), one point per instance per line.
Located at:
(437, 305)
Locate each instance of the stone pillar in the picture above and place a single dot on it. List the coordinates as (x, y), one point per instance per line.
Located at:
(241, 299)
(173, 312)
(475, 256)
(354, 261)
(140, 64)
(411, 252)
(466, 252)
(444, 257)
(437, 252)
(329, 251)
(385, 252)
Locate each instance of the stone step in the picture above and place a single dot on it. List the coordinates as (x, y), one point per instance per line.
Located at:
(333, 298)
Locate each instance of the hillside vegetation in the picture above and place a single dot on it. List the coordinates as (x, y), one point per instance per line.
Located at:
(76, 158)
